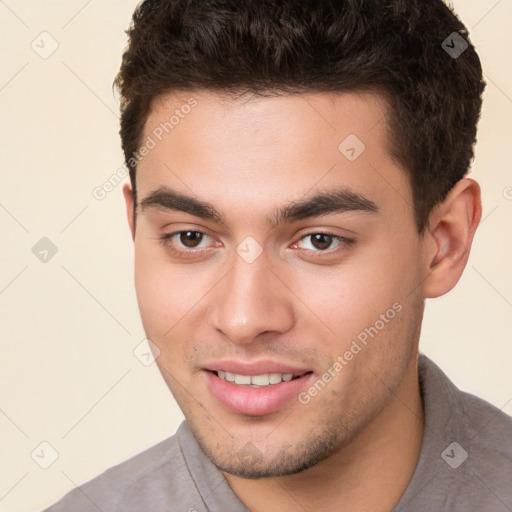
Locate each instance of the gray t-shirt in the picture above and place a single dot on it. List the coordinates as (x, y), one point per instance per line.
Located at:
(465, 465)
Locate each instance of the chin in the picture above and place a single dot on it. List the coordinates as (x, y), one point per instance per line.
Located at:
(253, 462)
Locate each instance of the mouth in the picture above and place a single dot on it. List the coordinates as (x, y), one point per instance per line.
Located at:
(255, 393)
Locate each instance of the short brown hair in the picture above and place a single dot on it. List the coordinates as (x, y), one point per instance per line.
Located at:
(293, 46)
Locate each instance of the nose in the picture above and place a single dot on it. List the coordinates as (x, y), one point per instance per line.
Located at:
(251, 301)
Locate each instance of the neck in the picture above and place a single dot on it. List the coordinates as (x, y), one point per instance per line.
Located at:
(370, 473)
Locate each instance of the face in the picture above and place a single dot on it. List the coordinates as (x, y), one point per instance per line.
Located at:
(272, 250)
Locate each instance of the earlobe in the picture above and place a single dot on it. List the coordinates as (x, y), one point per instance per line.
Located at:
(128, 198)
(452, 227)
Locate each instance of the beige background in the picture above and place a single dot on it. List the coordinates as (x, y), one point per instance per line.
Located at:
(69, 326)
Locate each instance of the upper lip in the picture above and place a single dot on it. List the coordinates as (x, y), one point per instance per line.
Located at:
(260, 367)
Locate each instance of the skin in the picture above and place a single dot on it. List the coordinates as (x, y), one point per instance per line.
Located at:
(298, 302)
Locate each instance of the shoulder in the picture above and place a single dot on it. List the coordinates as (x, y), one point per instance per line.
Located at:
(461, 414)
(486, 418)
(488, 431)
(467, 446)
(484, 478)
(459, 409)
(157, 476)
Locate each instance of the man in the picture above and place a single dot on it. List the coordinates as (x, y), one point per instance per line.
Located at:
(298, 189)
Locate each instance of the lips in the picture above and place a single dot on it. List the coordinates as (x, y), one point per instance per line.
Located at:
(255, 388)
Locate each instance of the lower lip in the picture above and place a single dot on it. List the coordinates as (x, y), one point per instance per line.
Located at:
(255, 401)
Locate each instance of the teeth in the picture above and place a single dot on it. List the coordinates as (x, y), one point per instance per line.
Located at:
(242, 379)
(261, 380)
(256, 380)
(275, 378)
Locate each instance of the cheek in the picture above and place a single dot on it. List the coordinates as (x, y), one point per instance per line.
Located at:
(166, 293)
(390, 271)
(352, 297)
(169, 302)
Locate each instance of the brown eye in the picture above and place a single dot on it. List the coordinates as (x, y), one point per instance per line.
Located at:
(188, 244)
(191, 238)
(321, 241)
(324, 244)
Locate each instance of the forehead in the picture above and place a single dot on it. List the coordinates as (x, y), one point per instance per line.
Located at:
(259, 119)
(263, 151)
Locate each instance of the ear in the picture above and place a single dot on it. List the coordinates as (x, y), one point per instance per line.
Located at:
(450, 234)
(128, 198)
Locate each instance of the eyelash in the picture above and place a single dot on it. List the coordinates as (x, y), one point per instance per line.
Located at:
(344, 244)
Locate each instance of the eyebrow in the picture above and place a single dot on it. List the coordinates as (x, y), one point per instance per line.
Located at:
(339, 200)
